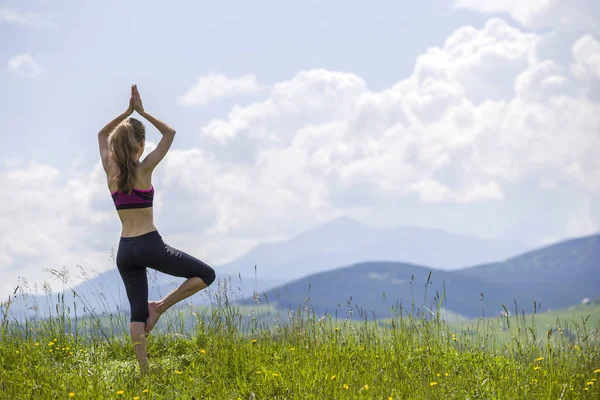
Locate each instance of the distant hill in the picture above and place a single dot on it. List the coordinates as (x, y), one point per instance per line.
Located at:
(342, 241)
(555, 276)
(345, 241)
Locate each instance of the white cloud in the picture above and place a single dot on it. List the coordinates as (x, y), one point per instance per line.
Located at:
(586, 52)
(12, 16)
(25, 66)
(216, 86)
(571, 15)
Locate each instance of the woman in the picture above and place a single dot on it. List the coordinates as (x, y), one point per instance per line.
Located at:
(130, 183)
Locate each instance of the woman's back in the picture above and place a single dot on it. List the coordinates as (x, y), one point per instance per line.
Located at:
(135, 209)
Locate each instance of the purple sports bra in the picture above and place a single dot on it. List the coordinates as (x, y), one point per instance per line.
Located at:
(137, 199)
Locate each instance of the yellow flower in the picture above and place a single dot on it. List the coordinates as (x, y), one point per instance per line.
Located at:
(366, 387)
(258, 372)
(253, 341)
(50, 351)
(145, 391)
(390, 398)
(275, 374)
(590, 383)
(346, 386)
(51, 344)
(70, 353)
(534, 381)
(445, 374)
(539, 359)
(63, 349)
(536, 368)
(292, 348)
(67, 348)
(585, 389)
(36, 344)
(71, 394)
(136, 397)
(362, 348)
(202, 351)
(433, 384)
(438, 375)
(120, 392)
(597, 371)
(17, 351)
(178, 372)
(333, 377)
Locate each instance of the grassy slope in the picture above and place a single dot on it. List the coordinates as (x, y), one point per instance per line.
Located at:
(306, 359)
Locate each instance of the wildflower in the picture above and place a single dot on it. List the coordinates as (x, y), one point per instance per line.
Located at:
(136, 397)
(333, 377)
(51, 344)
(275, 374)
(120, 392)
(534, 381)
(254, 341)
(445, 374)
(145, 391)
(67, 348)
(203, 351)
(70, 353)
(390, 398)
(362, 348)
(292, 348)
(71, 394)
(366, 387)
(597, 371)
(536, 368)
(36, 344)
(590, 383)
(438, 375)
(539, 359)
(17, 351)
(258, 372)
(346, 386)
(585, 389)
(63, 349)
(337, 329)
(50, 351)
(178, 372)
(432, 384)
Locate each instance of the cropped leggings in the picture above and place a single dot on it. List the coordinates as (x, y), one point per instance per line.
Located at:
(137, 253)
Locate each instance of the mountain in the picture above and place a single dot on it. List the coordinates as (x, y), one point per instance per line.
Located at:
(555, 276)
(345, 241)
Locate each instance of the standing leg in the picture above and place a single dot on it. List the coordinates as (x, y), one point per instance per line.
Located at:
(136, 286)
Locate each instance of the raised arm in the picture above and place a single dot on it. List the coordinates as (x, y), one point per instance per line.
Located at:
(105, 132)
(168, 134)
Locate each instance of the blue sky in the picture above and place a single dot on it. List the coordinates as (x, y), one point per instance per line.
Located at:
(465, 115)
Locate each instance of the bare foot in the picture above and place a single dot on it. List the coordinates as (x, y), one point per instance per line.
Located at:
(153, 316)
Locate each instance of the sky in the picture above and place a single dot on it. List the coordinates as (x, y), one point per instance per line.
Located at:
(476, 117)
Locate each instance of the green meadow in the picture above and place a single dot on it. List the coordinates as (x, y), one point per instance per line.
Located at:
(224, 351)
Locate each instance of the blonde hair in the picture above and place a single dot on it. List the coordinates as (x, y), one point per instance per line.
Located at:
(125, 142)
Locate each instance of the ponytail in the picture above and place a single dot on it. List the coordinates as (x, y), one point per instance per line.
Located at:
(125, 142)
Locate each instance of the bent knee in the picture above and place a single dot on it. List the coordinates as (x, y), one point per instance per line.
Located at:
(209, 276)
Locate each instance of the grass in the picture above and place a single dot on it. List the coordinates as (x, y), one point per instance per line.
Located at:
(243, 353)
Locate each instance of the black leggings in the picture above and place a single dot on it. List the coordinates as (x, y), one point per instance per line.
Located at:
(149, 250)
